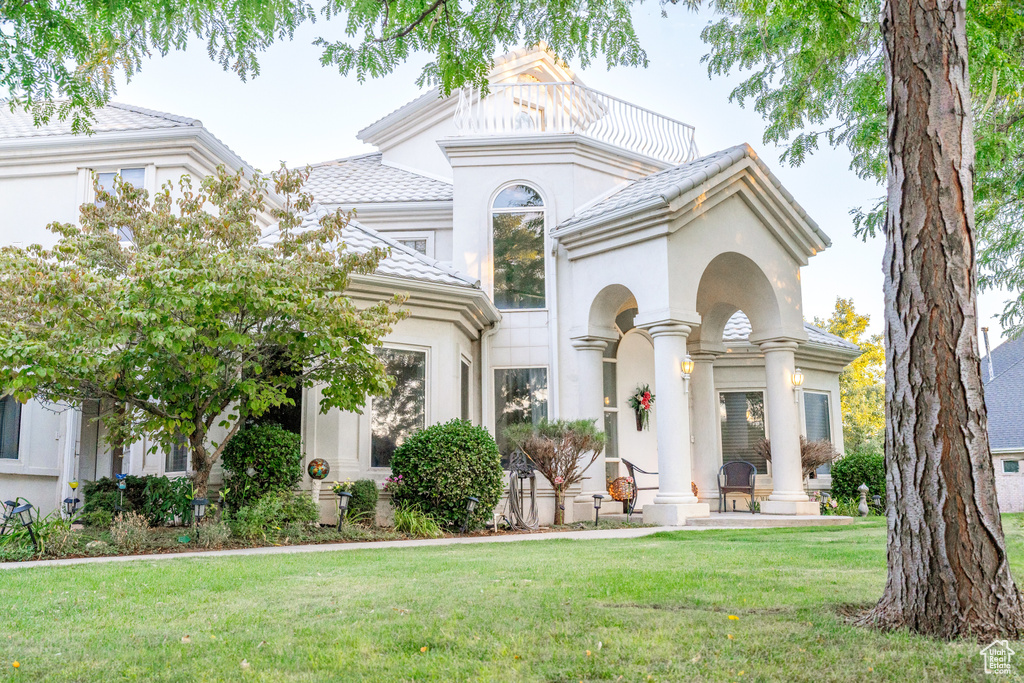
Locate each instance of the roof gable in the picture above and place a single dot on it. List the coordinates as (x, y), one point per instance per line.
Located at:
(682, 193)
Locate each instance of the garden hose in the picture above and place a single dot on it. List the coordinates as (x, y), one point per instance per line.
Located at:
(516, 514)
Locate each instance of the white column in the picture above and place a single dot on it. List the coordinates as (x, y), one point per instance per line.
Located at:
(783, 413)
(590, 406)
(675, 500)
(707, 457)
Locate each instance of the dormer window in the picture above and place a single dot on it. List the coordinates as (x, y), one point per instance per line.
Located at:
(518, 248)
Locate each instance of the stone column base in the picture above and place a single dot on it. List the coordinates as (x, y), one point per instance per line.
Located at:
(674, 514)
(582, 510)
(790, 507)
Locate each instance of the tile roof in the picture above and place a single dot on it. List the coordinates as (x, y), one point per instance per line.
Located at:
(1004, 394)
(738, 330)
(365, 179)
(662, 187)
(112, 117)
(403, 261)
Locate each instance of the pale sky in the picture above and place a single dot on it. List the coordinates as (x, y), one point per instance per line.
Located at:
(299, 112)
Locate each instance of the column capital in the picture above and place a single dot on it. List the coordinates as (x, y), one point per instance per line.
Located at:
(770, 345)
(667, 328)
(588, 343)
(704, 356)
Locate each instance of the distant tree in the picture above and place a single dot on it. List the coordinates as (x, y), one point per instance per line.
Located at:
(862, 382)
(198, 319)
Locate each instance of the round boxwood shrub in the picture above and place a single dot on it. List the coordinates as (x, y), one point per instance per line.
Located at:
(854, 469)
(275, 455)
(442, 466)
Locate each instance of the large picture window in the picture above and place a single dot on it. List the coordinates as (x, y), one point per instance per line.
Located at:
(10, 428)
(742, 415)
(518, 225)
(395, 417)
(520, 396)
(818, 421)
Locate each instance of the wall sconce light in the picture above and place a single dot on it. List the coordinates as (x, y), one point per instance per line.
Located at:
(598, 497)
(685, 368)
(798, 381)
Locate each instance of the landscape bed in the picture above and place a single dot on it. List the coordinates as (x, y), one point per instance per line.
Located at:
(715, 605)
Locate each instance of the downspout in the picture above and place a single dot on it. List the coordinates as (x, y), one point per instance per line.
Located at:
(988, 353)
(487, 377)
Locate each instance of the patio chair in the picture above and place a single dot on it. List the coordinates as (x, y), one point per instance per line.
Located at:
(737, 476)
(630, 505)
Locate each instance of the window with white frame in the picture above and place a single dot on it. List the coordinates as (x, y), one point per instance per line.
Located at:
(818, 421)
(1011, 466)
(520, 396)
(10, 428)
(611, 411)
(742, 418)
(465, 385)
(136, 177)
(395, 417)
(517, 221)
(415, 243)
(177, 456)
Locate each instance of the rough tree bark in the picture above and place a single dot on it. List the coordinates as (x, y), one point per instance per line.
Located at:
(948, 571)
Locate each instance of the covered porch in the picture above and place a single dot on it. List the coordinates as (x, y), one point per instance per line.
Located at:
(657, 282)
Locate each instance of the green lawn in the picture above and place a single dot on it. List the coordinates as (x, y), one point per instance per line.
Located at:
(658, 608)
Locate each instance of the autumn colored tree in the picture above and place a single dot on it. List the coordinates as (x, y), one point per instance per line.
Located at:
(862, 382)
(184, 315)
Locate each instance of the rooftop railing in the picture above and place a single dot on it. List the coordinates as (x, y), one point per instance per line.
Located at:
(528, 108)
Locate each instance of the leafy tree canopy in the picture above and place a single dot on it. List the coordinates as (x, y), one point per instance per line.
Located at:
(862, 383)
(184, 315)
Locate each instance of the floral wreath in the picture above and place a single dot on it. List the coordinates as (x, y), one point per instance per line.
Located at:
(641, 402)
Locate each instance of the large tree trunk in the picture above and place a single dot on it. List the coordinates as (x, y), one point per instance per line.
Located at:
(948, 572)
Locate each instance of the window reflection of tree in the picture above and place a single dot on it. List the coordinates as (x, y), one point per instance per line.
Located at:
(742, 415)
(520, 396)
(519, 260)
(395, 417)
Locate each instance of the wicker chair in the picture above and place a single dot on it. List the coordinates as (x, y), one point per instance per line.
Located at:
(737, 476)
(630, 505)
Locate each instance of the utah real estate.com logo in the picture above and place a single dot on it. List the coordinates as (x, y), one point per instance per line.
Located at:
(997, 656)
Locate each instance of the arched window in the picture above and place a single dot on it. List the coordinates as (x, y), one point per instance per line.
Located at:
(518, 223)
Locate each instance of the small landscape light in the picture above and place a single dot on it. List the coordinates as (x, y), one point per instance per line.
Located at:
(877, 500)
(198, 510)
(344, 497)
(471, 504)
(9, 506)
(121, 485)
(71, 506)
(25, 514)
(598, 497)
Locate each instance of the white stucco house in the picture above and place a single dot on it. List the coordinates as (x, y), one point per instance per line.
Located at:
(560, 247)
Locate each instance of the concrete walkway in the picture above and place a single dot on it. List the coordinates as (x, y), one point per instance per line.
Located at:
(728, 520)
(596, 534)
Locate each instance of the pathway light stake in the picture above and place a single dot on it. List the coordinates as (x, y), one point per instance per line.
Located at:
(344, 497)
(70, 506)
(25, 513)
(877, 500)
(121, 485)
(198, 510)
(863, 507)
(9, 506)
(598, 497)
(471, 503)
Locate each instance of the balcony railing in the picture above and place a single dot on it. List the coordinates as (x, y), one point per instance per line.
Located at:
(526, 108)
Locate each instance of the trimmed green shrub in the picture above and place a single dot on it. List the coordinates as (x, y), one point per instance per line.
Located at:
(854, 469)
(362, 506)
(442, 466)
(274, 454)
(158, 499)
(272, 514)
